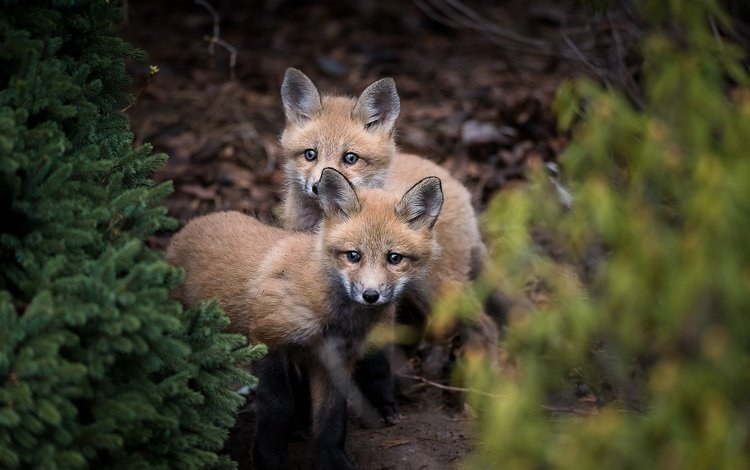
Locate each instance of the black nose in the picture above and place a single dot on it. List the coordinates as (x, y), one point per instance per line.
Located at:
(371, 296)
(315, 188)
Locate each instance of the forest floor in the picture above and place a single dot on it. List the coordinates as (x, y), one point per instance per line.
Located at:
(468, 101)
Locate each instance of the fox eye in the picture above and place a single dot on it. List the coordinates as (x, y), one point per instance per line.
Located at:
(311, 155)
(350, 158)
(394, 258)
(353, 256)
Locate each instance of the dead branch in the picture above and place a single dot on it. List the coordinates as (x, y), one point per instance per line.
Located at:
(216, 39)
(576, 42)
(449, 388)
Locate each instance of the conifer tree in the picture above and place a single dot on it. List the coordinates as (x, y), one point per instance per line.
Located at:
(646, 289)
(98, 367)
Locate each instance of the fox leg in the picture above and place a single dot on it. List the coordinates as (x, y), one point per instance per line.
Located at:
(374, 379)
(330, 379)
(275, 412)
(373, 373)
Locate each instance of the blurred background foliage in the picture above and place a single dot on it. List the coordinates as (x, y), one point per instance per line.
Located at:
(633, 352)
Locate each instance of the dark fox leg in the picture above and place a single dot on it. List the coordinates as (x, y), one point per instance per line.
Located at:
(374, 379)
(373, 373)
(412, 313)
(329, 422)
(300, 383)
(330, 378)
(275, 412)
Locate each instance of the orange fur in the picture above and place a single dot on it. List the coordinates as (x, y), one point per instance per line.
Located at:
(252, 269)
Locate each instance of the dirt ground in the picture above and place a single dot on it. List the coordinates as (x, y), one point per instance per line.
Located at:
(427, 437)
(471, 99)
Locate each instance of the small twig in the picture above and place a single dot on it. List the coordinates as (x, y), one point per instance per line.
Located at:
(449, 388)
(456, 15)
(434, 14)
(229, 48)
(582, 58)
(494, 29)
(216, 18)
(152, 70)
(216, 38)
(564, 409)
(625, 76)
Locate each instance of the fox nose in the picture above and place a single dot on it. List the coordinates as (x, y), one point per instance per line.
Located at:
(315, 188)
(371, 296)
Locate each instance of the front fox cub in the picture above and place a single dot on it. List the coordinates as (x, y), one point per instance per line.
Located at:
(356, 136)
(311, 298)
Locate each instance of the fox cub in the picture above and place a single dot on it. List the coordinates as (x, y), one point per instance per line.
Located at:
(311, 298)
(356, 137)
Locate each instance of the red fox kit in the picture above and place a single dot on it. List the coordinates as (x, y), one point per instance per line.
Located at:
(356, 136)
(312, 298)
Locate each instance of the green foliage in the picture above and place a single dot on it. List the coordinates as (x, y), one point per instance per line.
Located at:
(98, 367)
(647, 281)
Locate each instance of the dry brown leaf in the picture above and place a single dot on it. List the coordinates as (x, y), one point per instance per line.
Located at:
(388, 443)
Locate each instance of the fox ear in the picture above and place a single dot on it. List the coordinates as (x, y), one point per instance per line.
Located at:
(300, 97)
(421, 204)
(379, 106)
(337, 195)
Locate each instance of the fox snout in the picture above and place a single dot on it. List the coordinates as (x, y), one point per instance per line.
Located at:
(371, 295)
(311, 188)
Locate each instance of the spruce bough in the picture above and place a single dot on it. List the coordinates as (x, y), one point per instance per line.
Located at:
(98, 366)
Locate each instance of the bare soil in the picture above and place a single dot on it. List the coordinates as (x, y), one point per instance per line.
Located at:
(482, 110)
(427, 437)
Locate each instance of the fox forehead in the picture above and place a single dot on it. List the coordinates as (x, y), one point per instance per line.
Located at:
(377, 230)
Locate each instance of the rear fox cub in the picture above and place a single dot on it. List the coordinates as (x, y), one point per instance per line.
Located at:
(312, 298)
(356, 136)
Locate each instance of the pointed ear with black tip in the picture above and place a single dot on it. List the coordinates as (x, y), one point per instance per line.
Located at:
(379, 106)
(337, 195)
(300, 97)
(421, 204)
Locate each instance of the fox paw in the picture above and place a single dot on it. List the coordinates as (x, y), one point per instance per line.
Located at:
(382, 416)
